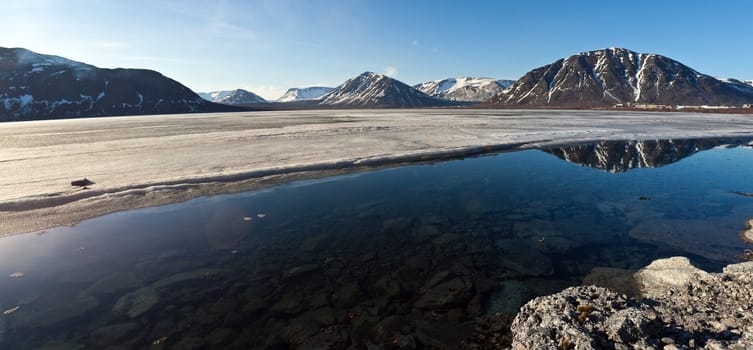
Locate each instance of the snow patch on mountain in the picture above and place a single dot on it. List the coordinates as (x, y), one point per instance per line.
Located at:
(302, 94)
(232, 97)
(464, 88)
(377, 90)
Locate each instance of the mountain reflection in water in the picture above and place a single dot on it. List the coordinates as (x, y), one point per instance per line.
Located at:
(621, 156)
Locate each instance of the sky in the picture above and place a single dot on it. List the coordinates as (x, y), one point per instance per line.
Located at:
(269, 46)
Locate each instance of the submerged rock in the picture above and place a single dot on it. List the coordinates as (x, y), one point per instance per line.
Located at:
(137, 303)
(747, 235)
(454, 292)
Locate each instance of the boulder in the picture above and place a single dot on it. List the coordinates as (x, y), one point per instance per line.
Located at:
(662, 274)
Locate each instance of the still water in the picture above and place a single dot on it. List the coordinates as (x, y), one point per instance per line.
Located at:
(409, 257)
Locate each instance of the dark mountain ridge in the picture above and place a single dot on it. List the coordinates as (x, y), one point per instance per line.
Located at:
(36, 86)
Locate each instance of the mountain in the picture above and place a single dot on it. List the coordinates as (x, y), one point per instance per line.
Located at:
(301, 94)
(621, 156)
(37, 86)
(232, 97)
(749, 82)
(464, 88)
(611, 76)
(372, 90)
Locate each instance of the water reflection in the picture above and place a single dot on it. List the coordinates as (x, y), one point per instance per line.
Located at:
(621, 156)
(403, 258)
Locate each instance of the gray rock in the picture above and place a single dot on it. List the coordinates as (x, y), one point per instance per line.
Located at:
(630, 325)
(684, 308)
(746, 267)
(137, 303)
(662, 274)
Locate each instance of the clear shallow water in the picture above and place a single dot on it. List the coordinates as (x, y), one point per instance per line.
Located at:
(398, 256)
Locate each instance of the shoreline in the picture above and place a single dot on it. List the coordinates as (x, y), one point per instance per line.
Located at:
(139, 162)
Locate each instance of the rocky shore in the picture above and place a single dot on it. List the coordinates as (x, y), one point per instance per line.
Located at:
(679, 307)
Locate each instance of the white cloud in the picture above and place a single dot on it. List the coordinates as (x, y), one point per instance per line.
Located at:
(390, 71)
(414, 42)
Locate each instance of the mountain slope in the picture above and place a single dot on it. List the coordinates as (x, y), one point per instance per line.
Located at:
(36, 86)
(232, 97)
(378, 91)
(464, 88)
(302, 94)
(610, 76)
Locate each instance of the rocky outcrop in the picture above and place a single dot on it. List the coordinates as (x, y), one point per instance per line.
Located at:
(682, 308)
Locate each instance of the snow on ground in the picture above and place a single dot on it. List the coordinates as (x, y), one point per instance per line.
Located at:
(151, 160)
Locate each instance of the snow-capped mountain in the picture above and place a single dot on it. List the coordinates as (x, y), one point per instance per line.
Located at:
(303, 94)
(749, 82)
(611, 76)
(621, 156)
(36, 86)
(464, 88)
(377, 90)
(233, 97)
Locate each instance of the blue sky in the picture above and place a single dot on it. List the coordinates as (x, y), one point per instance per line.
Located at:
(268, 46)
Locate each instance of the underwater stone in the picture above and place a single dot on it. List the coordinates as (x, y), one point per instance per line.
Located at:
(748, 234)
(185, 277)
(136, 303)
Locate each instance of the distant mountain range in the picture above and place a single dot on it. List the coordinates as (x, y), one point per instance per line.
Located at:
(373, 90)
(36, 86)
(619, 76)
(464, 88)
(304, 94)
(232, 97)
(621, 156)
